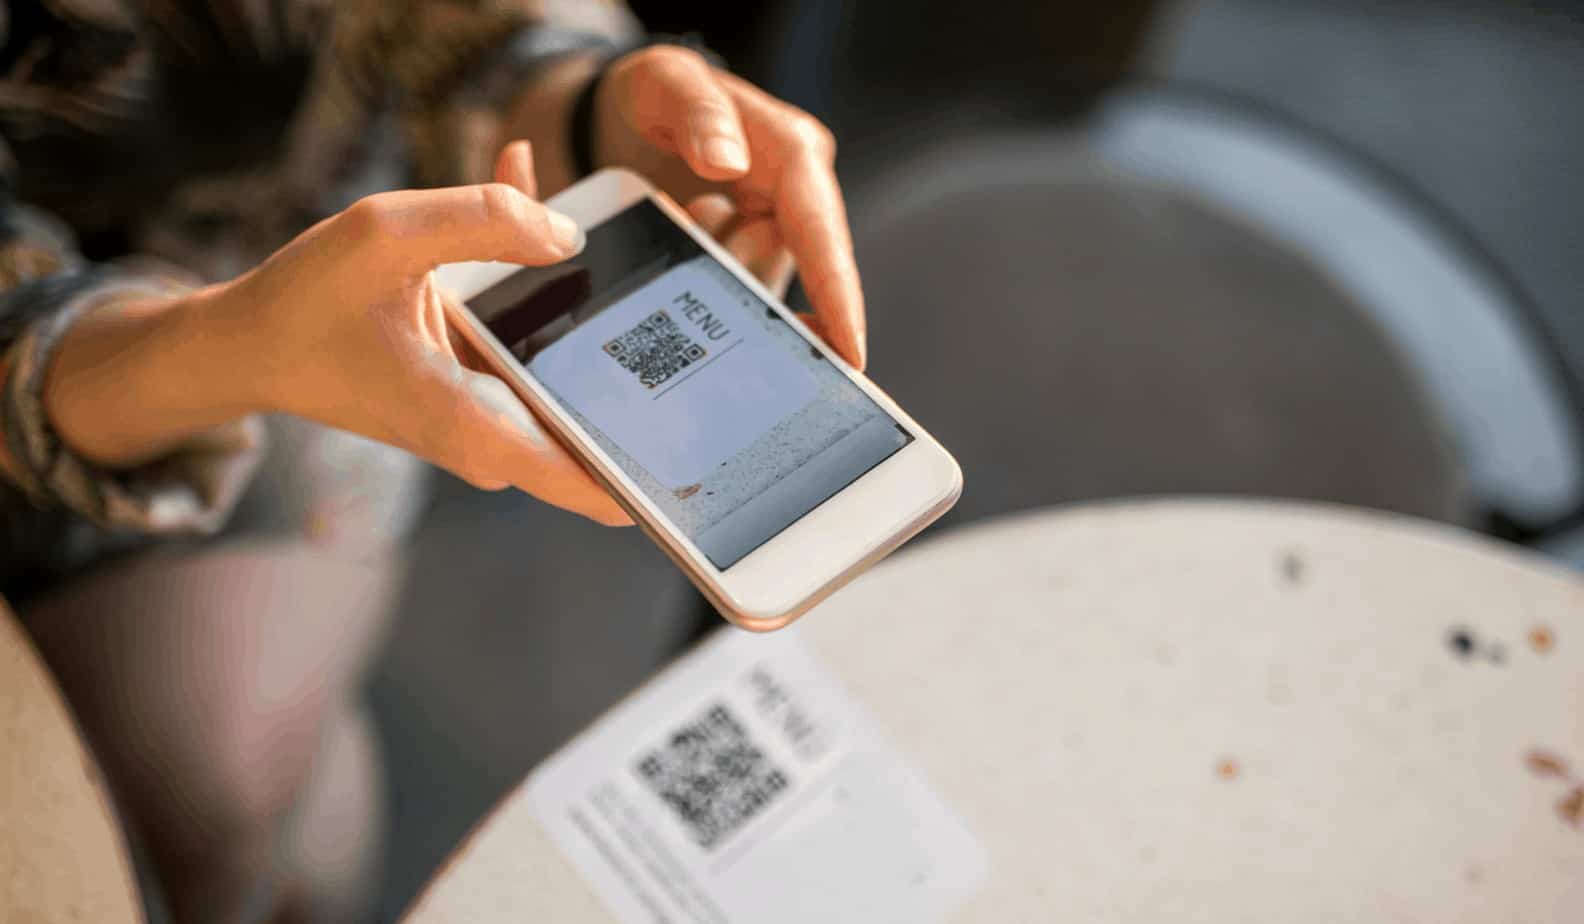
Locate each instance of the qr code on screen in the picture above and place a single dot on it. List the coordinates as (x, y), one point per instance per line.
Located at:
(712, 775)
(655, 350)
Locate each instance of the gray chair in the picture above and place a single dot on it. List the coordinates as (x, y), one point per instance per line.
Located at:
(1464, 327)
(1073, 332)
(1418, 157)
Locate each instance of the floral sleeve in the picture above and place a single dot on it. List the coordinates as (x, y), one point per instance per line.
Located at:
(44, 286)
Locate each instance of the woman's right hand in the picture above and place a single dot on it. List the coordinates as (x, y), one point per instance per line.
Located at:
(350, 331)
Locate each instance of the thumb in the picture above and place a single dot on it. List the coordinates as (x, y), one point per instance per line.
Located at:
(492, 440)
(531, 458)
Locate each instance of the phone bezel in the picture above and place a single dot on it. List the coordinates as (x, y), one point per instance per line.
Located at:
(811, 558)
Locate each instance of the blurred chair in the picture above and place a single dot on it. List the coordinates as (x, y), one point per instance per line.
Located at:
(1223, 299)
(1462, 326)
(1466, 108)
(1073, 331)
(1457, 116)
(62, 855)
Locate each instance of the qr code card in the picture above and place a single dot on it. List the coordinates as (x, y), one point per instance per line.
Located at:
(713, 775)
(745, 785)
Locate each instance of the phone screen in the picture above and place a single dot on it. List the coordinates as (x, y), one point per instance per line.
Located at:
(725, 416)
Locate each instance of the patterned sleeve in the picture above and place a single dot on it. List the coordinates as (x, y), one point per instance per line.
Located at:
(473, 85)
(44, 286)
(456, 66)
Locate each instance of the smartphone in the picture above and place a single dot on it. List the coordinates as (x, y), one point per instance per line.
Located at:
(768, 469)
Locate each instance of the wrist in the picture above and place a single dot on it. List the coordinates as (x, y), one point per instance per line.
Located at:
(225, 348)
(138, 374)
(542, 113)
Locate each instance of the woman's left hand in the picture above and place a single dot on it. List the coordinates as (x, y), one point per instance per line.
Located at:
(756, 172)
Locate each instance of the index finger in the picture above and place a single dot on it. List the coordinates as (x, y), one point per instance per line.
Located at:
(800, 181)
(812, 219)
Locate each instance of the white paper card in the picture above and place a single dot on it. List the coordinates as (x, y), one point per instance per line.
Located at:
(745, 785)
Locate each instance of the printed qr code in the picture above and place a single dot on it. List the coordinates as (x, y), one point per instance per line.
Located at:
(655, 350)
(712, 775)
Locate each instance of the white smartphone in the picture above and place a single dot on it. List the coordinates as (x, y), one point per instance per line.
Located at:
(767, 468)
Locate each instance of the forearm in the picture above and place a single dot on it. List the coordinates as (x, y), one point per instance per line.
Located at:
(131, 380)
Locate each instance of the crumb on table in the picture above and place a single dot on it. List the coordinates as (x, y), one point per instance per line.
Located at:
(1541, 639)
(1544, 763)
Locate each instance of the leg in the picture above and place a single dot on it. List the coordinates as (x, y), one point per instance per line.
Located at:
(217, 688)
(329, 846)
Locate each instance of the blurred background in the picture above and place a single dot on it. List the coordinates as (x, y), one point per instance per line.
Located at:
(1321, 250)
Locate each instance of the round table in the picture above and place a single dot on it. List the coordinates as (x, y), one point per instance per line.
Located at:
(62, 857)
(1191, 711)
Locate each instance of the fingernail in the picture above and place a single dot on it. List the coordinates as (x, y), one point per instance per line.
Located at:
(726, 153)
(568, 236)
(618, 519)
(861, 341)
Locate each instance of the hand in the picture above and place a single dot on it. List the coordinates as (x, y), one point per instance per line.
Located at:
(756, 172)
(349, 330)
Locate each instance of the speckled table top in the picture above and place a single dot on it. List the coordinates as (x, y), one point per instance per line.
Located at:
(1200, 711)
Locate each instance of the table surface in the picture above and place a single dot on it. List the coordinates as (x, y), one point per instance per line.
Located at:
(62, 857)
(1199, 711)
